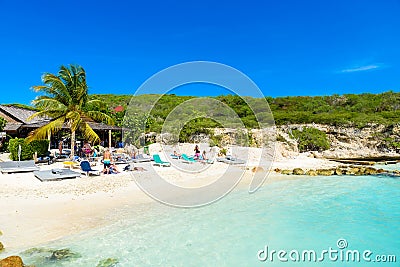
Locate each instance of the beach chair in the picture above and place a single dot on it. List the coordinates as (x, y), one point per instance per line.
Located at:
(209, 161)
(159, 162)
(231, 160)
(87, 169)
(174, 156)
(187, 159)
(141, 158)
(55, 175)
(121, 158)
(18, 166)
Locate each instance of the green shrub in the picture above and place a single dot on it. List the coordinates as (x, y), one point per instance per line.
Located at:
(215, 140)
(27, 149)
(280, 138)
(242, 138)
(40, 146)
(223, 151)
(3, 123)
(311, 139)
(196, 127)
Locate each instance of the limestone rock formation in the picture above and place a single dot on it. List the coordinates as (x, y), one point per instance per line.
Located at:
(12, 261)
(311, 173)
(110, 262)
(287, 172)
(298, 171)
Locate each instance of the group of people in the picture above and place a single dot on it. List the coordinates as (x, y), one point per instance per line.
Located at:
(197, 154)
(86, 151)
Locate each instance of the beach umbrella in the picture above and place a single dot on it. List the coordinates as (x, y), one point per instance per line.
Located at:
(19, 152)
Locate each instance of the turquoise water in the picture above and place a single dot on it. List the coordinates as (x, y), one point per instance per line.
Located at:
(299, 213)
(389, 167)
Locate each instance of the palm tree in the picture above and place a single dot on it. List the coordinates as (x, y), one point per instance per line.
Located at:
(65, 99)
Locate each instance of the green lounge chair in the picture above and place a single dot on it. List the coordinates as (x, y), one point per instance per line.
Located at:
(159, 162)
(187, 159)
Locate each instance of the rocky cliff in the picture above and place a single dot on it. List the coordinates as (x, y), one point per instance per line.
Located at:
(371, 141)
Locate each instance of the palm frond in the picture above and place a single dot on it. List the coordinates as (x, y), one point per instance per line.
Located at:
(54, 114)
(42, 88)
(46, 102)
(74, 119)
(65, 74)
(42, 132)
(58, 88)
(96, 103)
(88, 132)
(100, 117)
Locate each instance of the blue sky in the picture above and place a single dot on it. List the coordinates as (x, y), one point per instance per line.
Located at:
(285, 47)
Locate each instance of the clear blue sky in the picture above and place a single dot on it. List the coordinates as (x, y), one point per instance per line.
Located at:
(286, 47)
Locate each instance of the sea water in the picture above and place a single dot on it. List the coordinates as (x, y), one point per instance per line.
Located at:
(294, 215)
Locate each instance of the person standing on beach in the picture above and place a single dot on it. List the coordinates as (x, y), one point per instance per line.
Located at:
(60, 146)
(87, 149)
(106, 161)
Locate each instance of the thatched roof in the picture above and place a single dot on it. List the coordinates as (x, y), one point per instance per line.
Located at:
(103, 126)
(94, 125)
(18, 118)
(10, 127)
(21, 114)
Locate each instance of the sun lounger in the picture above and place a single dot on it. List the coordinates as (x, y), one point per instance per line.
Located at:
(56, 175)
(122, 161)
(187, 159)
(158, 161)
(18, 166)
(231, 160)
(141, 158)
(121, 158)
(87, 169)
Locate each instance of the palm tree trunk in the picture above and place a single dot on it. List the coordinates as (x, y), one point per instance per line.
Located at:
(72, 144)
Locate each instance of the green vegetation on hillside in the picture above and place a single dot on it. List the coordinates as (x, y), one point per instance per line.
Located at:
(311, 139)
(340, 110)
(149, 112)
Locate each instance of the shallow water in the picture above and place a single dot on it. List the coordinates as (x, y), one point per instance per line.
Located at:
(299, 213)
(389, 167)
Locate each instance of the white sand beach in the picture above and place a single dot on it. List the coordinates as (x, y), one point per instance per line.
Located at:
(34, 212)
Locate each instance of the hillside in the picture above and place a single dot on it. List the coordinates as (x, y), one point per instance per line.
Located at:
(340, 110)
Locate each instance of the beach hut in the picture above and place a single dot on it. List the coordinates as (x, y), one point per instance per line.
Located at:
(19, 126)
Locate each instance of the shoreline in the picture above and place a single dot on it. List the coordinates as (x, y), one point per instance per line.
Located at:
(34, 213)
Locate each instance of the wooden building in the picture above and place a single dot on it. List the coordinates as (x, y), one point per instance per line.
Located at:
(19, 126)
